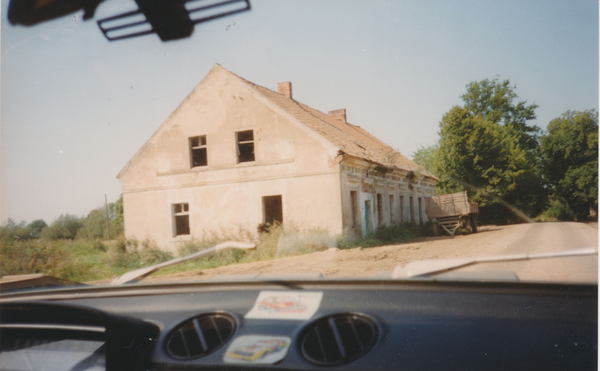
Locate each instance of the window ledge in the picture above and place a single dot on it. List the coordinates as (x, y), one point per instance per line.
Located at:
(236, 166)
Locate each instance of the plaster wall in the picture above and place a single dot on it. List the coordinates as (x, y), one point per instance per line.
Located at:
(306, 200)
(290, 160)
(357, 175)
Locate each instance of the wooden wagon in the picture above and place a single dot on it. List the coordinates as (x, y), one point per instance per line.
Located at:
(452, 211)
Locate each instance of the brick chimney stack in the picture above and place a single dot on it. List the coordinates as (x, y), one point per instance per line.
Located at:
(339, 114)
(285, 88)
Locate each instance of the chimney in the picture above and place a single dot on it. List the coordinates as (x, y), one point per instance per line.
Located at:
(339, 114)
(285, 88)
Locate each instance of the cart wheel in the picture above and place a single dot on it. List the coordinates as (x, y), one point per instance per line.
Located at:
(468, 226)
(473, 220)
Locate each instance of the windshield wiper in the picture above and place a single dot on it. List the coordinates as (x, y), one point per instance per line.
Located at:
(143, 272)
(427, 267)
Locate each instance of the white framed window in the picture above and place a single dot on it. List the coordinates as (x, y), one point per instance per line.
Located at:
(198, 151)
(245, 146)
(181, 219)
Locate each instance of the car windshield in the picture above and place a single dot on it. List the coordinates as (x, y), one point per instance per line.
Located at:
(333, 139)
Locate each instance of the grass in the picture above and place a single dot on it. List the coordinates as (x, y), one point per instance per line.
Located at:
(387, 235)
(279, 241)
(84, 260)
(77, 260)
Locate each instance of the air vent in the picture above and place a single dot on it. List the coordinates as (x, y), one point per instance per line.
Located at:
(200, 335)
(338, 339)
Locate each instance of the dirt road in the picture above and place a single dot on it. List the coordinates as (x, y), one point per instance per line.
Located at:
(490, 240)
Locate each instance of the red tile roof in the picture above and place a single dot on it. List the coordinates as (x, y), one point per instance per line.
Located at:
(351, 139)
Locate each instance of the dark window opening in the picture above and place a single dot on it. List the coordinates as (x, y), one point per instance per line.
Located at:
(273, 210)
(354, 207)
(420, 212)
(245, 146)
(379, 209)
(198, 151)
(181, 219)
(179, 208)
(368, 218)
(401, 209)
(391, 209)
(412, 210)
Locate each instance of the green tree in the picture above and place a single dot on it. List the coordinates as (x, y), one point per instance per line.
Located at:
(94, 224)
(116, 210)
(64, 227)
(14, 231)
(496, 101)
(425, 157)
(35, 228)
(487, 148)
(569, 152)
(22, 231)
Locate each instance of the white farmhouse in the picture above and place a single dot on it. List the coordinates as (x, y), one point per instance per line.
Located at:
(237, 154)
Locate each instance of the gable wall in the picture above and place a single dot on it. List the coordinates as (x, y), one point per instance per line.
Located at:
(217, 108)
(290, 161)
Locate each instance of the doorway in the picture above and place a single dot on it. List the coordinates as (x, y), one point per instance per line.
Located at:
(367, 218)
(272, 209)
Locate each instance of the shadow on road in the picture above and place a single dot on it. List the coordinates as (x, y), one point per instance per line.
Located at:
(482, 229)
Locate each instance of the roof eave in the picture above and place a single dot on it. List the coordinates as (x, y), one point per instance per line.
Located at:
(424, 172)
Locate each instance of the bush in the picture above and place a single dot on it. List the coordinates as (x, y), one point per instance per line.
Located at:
(277, 241)
(77, 260)
(13, 231)
(556, 211)
(36, 227)
(125, 255)
(94, 224)
(22, 231)
(64, 227)
(36, 256)
(89, 259)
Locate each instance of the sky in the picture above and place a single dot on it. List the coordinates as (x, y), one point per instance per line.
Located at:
(76, 107)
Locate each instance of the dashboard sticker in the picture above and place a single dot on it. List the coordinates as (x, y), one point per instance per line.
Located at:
(257, 349)
(299, 305)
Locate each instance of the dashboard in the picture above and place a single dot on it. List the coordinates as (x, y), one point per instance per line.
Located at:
(321, 324)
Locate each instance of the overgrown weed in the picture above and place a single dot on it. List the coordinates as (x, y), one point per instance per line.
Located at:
(128, 254)
(88, 259)
(386, 235)
(77, 260)
(278, 241)
(53, 258)
(556, 211)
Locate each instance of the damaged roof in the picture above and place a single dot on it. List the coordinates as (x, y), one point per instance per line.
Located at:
(351, 139)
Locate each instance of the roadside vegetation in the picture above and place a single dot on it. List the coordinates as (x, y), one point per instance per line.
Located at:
(387, 235)
(488, 148)
(81, 258)
(78, 260)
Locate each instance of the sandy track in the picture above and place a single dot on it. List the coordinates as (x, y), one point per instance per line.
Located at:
(490, 240)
